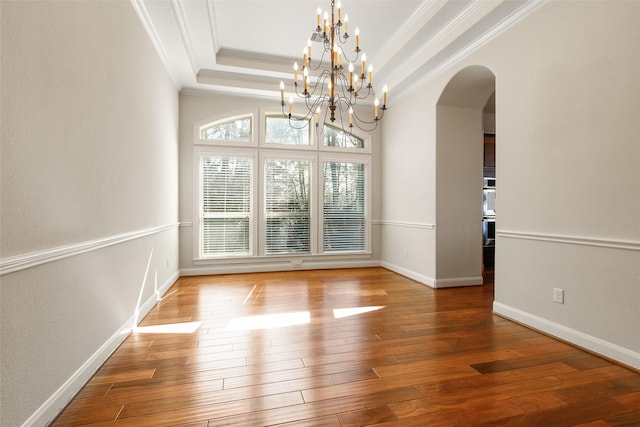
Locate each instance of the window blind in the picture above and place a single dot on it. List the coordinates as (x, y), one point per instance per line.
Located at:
(226, 205)
(287, 206)
(344, 208)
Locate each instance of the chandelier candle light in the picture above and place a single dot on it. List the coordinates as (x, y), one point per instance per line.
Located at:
(333, 92)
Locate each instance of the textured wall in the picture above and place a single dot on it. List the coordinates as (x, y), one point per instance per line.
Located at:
(567, 171)
(89, 192)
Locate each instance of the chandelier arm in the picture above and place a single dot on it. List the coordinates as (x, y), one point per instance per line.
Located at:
(346, 57)
(344, 88)
(358, 94)
(344, 105)
(293, 118)
(299, 94)
(362, 125)
(360, 120)
(320, 124)
(313, 106)
(311, 68)
(319, 85)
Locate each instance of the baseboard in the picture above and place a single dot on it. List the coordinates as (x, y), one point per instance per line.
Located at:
(57, 402)
(430, 281)
(458, 281)
(420, 278)
(284, 265)
(590, 343)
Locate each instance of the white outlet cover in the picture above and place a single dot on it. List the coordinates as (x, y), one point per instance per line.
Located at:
(558, 295)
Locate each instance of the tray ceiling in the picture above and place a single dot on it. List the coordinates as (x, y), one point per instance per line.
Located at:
(248, 46)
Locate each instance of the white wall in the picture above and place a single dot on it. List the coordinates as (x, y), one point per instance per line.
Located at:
(567, 171)
(459, 196)
(198, 107)
(89, 194)
(408, 190)
(567, 168)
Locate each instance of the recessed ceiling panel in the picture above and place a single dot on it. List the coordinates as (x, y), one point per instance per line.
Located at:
(281, 28)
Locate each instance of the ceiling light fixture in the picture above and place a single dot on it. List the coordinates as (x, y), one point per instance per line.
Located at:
(334, 92)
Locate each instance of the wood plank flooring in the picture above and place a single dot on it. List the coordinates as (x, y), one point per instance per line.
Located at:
(348, 347)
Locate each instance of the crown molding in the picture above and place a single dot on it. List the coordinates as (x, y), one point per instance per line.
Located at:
(428, 71)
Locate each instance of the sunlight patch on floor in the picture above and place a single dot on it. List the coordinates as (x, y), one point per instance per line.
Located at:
(339, 313)
(170, 328)
(269, 321)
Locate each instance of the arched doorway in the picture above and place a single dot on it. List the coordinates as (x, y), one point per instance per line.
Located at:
(460, 128)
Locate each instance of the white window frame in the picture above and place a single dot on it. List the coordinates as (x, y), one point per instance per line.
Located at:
(346, 158)
(229, 116)
(224, 152)
(357, 133)
(258, 150)
(313, 143)
(313, 232)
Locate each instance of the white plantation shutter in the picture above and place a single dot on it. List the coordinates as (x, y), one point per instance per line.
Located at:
(226, 205)
(344, 207)
(287, 206)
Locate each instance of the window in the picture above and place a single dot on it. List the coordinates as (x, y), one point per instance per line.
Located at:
(344, 207)
(226, 205)
(280, 192)
(287, 206)
(231, 129)
(334, 137)
(279, 131)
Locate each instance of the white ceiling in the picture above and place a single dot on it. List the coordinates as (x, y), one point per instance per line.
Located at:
(248, 46)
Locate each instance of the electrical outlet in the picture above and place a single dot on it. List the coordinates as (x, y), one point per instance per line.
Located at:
(406, 254)
(558, 295)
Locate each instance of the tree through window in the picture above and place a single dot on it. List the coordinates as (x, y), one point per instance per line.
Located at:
(344, 207)
(287, 206)
(232, 129)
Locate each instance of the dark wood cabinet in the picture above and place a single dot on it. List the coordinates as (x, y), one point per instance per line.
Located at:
(489, 155)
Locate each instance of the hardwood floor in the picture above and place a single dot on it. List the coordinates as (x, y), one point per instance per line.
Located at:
(346, 348)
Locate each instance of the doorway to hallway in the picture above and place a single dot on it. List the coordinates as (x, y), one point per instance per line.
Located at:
(465, 222)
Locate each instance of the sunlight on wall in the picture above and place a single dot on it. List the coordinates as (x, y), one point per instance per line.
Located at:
(136, 313)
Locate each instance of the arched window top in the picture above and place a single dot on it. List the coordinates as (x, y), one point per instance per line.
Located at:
(237, 128)
(336, 137)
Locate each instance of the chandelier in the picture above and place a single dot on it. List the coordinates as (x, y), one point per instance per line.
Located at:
(334, 92)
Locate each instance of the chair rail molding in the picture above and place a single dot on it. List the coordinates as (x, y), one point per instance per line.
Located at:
(632, 245)
(405, 224)
(32, 259)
